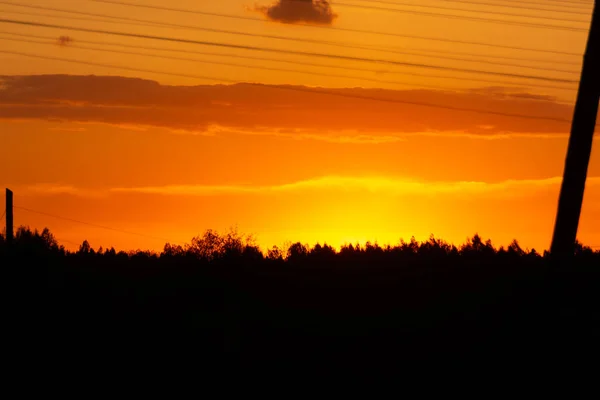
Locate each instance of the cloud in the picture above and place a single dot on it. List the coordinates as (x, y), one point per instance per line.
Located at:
(503, 92)
(390, 186)
(67, 129)
(294, 11)
(496, 136)
(64, 41)
(291, 112)
(342, 137)
(56, 189)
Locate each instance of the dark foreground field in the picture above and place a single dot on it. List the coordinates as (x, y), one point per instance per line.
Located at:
(220, 305)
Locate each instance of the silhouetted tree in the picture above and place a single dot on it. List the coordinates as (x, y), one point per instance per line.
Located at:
(85, 248)
(171, 250)
(297, 252)
(515, 249)
(275, 254)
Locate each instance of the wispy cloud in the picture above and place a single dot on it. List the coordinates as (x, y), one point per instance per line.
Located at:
(67, 129)
(349, 136)
(55, 189)
(342, 136)
(389, 186)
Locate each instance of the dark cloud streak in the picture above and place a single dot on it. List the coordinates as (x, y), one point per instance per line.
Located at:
(119, 100)
(293, 11)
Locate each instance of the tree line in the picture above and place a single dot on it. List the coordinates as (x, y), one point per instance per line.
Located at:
(224, 303)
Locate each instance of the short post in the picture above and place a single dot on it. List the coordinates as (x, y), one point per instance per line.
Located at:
(9, 216)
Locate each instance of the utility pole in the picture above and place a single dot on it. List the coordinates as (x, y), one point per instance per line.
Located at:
(580, 147)
(9, 216)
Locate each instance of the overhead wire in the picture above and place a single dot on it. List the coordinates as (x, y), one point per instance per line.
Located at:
(462, 17)
(143, 22)
(299, 89)
(264, 68)
(491, 56)
(440, 15)
(402, 4)
(511, 6)
(354, 30)
(416, 51)
(60, 240)
(449, 16)
(296, 62)
(290, 52)
(91, 224)
(389, 51)
(74, 18)
(554, 3)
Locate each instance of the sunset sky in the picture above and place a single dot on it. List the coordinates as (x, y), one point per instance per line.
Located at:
(353, 121)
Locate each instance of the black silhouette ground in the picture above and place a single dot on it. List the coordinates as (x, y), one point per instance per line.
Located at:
(221, 307)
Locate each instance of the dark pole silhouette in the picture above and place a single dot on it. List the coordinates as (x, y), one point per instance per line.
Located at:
(9, 215)
(580, 147)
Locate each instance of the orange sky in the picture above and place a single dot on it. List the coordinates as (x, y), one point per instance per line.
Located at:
(157, 155)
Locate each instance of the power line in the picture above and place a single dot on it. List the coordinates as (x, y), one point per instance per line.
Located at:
(399, 4)
(142, 22)
(67, 241)
(242, 65)
(479, 55)
(559, 3)
(551, 3)
(449, 16)
(291, 52)
(89, 19)
(392, 34)
(437, 51)
(469, 79)
(91, 224)
(401, 52)
(299, 89)
(268, 68)
(480, 3)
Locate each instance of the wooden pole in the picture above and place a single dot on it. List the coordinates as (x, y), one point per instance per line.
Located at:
(580, 147)
(9, 216)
